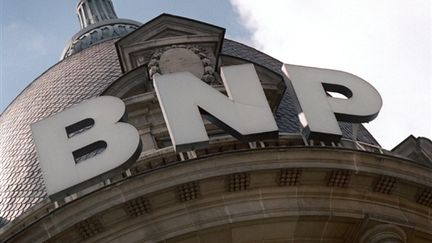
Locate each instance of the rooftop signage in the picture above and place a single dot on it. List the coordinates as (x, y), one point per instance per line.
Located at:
(84, 143)
(318, 112)
(245, 113)
(91, 142)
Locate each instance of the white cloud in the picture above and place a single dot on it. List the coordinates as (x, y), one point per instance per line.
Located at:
(387, 42)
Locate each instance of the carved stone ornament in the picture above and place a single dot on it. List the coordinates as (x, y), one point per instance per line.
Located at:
(182, 58)
(99, 34)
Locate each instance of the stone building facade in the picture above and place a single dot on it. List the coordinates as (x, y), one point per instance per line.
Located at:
(282, 190)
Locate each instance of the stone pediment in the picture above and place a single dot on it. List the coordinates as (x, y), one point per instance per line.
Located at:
(165, 31)
(169, 32)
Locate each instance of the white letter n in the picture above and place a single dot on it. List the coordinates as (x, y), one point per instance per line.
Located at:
(245, 113)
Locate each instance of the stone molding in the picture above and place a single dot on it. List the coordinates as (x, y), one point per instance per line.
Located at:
(97, 33)
(263, 199)
(383, 234)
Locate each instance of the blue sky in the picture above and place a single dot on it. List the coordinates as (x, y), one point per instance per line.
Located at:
(388, 43)
(34, 33)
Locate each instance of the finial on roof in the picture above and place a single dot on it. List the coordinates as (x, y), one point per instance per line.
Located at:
(94, 11)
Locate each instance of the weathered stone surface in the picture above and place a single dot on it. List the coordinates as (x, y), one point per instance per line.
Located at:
(181, 60)
(336, 214)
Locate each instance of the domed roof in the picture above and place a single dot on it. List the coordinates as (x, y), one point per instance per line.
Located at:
(81, 76)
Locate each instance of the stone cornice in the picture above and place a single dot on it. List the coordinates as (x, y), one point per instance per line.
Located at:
(331, 181)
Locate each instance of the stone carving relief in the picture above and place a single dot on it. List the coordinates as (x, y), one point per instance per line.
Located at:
(181, 58)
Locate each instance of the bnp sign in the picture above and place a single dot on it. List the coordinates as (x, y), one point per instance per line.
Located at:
(91, 141)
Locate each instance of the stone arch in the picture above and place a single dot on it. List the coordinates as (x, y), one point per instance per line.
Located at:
(384, 233)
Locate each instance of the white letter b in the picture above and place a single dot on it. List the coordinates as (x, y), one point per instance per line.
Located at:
(84, 142)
